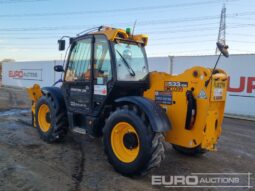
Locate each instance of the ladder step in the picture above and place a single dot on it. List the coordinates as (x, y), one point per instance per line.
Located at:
(79, 130)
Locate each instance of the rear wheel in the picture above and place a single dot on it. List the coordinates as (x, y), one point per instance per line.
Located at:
(51, 120)
(131, 146)
(189, 151)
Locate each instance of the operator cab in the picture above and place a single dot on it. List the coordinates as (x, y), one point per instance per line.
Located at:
(103, 66)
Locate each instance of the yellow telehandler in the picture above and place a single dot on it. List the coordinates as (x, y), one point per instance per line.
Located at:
(107, 90)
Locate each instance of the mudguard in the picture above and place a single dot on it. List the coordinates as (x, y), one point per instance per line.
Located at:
(56, 94)
(156, 115)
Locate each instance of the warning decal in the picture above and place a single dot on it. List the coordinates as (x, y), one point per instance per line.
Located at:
(100, 90)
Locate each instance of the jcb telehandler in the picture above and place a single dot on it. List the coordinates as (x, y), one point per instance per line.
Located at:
(107, 90)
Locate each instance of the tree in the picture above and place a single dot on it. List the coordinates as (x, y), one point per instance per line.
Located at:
(8, 60)
(1, 63)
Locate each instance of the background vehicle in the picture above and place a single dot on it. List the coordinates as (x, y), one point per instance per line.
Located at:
(107, 90)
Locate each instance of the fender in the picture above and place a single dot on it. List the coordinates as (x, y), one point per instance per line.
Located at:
(156, 115)
(57, 95)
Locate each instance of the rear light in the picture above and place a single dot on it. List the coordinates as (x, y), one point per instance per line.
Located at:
(193, 117)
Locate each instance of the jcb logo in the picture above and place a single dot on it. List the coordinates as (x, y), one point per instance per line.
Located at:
(16, 74)
(244, 82)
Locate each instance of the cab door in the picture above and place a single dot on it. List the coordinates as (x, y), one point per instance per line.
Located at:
(102, 72)
(77, 84)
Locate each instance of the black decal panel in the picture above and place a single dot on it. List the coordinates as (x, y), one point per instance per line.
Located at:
(79, 97)
(163, 97)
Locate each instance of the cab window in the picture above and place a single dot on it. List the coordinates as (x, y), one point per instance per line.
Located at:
(131, 62)
(79, 62)
(102, 61)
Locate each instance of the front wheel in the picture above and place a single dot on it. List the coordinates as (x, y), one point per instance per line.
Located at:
(51, 120)
(130, 144)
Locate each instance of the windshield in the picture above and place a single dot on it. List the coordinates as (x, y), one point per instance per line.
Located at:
(131, 63)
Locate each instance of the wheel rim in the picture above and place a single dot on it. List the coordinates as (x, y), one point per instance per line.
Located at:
(125, 142)
(44, 117)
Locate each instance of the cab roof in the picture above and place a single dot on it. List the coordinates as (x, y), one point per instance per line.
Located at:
(113, 34)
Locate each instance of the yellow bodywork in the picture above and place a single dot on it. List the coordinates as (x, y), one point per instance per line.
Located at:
(113, 34)
(210, 103)
(34, 94)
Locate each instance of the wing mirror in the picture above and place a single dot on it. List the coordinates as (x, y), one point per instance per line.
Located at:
(58, 68)
(223, 49)
(61, 45)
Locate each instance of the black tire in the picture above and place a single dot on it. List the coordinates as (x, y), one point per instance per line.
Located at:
(32, 116)
(32, 119)
(151, 151)
(58, 120)
(189, 151)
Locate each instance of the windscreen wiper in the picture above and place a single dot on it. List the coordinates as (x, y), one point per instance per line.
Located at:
(131, 71)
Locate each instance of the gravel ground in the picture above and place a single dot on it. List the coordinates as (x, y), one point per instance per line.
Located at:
(79, 163)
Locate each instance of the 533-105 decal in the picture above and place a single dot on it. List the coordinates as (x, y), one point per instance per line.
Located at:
(175, 86)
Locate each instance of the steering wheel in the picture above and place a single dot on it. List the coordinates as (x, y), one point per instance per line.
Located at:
(223, 49)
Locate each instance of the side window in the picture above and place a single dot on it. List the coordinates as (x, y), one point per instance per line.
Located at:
(79, 62)
(102, 64)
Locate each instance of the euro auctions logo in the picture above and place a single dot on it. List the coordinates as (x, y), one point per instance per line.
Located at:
(16, 74)
(243, 85)
(174, 181)
(204, 180)
(26, 74)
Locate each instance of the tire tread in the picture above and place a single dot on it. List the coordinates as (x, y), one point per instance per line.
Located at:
(157, 139)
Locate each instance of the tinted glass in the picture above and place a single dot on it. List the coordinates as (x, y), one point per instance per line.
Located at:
(79, 63)
(102, 65)
(131, 62)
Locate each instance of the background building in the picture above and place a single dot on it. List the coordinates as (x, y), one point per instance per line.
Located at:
(240, 68)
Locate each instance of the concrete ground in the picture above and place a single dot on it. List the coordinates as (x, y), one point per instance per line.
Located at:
(79, 163)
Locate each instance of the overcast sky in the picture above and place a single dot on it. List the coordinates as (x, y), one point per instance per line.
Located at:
(29, 29)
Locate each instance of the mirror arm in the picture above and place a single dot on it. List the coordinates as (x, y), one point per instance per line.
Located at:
(208, 81)
(58, 81)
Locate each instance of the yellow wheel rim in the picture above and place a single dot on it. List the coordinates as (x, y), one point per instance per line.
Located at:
(125, 152)
(43, 117)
